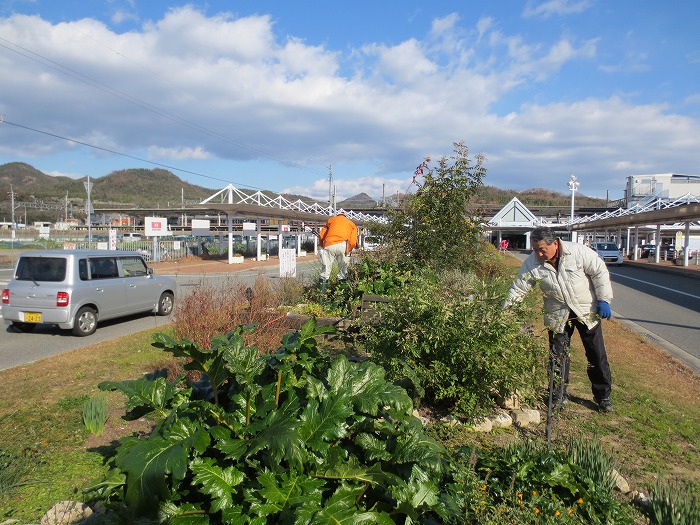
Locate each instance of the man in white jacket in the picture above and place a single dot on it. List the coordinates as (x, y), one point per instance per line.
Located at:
(577, 293)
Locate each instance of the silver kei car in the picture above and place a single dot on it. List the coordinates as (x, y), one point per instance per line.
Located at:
(75, 289)
(609, 252)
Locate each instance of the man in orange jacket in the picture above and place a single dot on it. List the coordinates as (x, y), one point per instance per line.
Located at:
(338, 240)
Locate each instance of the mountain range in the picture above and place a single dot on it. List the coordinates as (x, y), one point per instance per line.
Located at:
(162, 188)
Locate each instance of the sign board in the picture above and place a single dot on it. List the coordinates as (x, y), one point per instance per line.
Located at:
(69, 246)
(288, 262)
(103, 245)
(285, 228)
(249, 228)
(157, 227)
(679, 241)
(201, 227)
(112, 239)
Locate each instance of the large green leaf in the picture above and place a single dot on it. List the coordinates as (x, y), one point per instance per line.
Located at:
(278, 435)
(219, 483)
(148, 463)
(369, 389)
(153, 394)
(282, 494)
(341, 509)
(326, 422)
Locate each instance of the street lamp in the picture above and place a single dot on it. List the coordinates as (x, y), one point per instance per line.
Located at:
(573, 186)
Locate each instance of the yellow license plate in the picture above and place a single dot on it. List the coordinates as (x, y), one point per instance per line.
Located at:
(32, 317)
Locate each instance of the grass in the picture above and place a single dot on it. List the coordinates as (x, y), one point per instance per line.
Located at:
(655, 429)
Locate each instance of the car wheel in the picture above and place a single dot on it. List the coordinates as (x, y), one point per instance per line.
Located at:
(24, 327)
(85, 322)
(165, 303)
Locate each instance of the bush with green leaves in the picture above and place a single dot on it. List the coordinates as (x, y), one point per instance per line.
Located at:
(450, 337)
(288, 437)
(435, 226)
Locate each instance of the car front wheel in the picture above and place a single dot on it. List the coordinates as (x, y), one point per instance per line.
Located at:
(165, 303)
(85, 322)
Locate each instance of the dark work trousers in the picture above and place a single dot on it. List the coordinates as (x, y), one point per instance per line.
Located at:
(598, 367)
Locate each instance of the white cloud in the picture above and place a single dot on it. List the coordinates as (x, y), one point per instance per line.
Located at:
(158, 153)
(555, 7)
(66, 174)
(221, 92)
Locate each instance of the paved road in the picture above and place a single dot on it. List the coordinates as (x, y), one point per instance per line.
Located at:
(663, 307)
(18, 348)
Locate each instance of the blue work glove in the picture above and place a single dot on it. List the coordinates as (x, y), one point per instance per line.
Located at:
(604, 310)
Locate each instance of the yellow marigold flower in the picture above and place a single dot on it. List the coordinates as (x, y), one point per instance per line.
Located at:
(537, 511)
(534, 493)
(570, 511)
(518, 495)
(557, 513)
(580, 501)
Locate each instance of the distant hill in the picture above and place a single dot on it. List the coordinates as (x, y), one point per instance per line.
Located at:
(159, 187)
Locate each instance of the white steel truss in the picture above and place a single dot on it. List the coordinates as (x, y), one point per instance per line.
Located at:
(232, 195)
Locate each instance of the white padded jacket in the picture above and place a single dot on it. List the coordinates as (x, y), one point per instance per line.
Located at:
(581, 279)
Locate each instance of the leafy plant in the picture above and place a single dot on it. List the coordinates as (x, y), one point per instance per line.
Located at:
(95, 414)
(291, 437)
(527, 483)
(674, 503)
(436, 227)
(458, 345)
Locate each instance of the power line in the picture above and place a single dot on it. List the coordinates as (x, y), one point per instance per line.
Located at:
(124, 154)
(47, 62)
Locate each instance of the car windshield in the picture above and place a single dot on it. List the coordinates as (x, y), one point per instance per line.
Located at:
(607, 246)
(47, 269)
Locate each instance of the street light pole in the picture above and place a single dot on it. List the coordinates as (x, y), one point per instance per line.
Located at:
(573, 186)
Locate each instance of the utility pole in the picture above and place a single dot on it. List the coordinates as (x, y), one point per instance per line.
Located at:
(88, 188)
(330, 189)
(12, 203)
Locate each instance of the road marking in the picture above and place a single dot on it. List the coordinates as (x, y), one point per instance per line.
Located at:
(657, 285)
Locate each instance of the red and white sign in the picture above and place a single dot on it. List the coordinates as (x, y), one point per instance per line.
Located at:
(156, 227)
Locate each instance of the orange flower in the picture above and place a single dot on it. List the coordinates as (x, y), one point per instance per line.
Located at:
(570, 511)
(537, 511)
(534, 493)
(483, 487)
(557, 513)
(580, 501)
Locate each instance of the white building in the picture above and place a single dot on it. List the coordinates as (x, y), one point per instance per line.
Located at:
(668, 186)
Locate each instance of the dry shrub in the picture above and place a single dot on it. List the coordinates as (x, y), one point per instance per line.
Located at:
(211, 310)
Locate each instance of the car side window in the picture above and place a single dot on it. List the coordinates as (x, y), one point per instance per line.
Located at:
(83, 269)
(103, 268)
(134, 267)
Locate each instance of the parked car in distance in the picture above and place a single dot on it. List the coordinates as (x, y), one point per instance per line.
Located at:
(668, 252)
(645, 250)
(75, 289)
(609, 252)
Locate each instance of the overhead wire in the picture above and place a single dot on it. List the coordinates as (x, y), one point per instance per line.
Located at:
(5, 121)
(47, 62)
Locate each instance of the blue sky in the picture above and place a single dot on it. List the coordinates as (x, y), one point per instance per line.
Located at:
(271, 94)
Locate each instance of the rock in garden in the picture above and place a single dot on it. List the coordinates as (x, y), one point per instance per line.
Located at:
(66, 513)
(501, 420)
(481, 425)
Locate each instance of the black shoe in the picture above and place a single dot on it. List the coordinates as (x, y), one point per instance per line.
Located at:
(605, 405)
